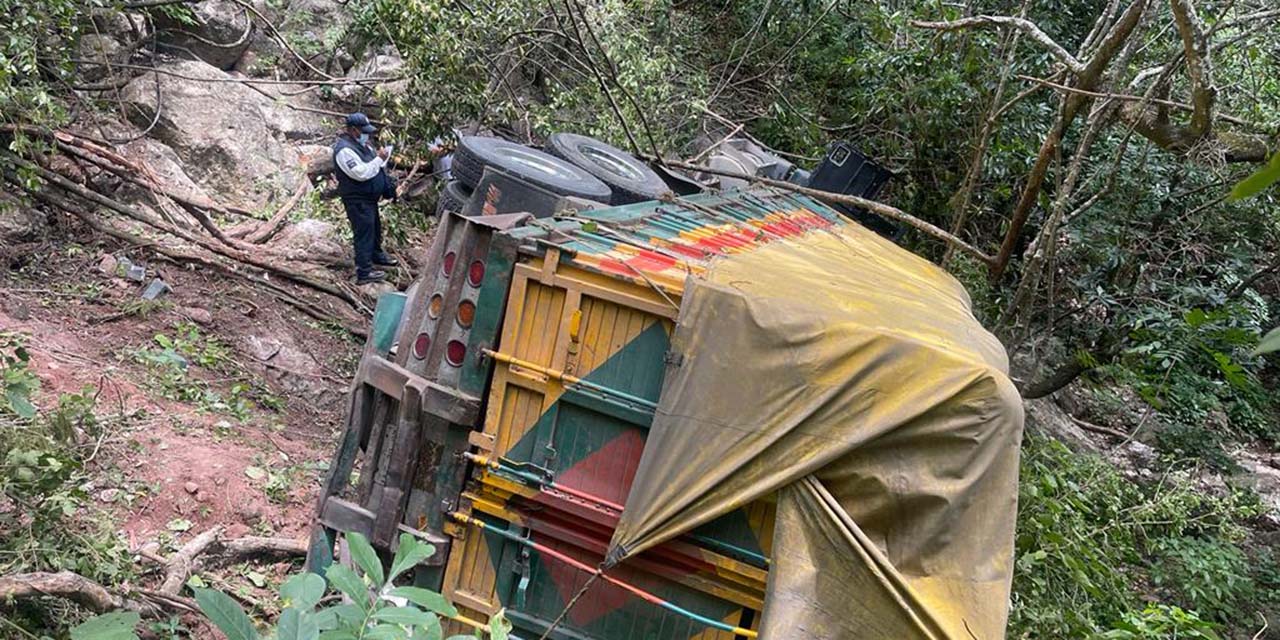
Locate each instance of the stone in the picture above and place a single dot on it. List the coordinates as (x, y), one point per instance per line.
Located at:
(1045, 417)
(219, 131)
(223, 30)
(97, 52)
(164, 166)
(318, 159)
(108, 264)
(380, 65)
(191, 488)
(197, 315)
(292, 369)
(18, 220)
(250, 514)
(314, 241)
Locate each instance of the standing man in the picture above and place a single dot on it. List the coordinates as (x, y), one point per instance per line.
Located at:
(362, 182)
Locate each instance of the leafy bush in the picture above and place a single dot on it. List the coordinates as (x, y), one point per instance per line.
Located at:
(1161, 621)
(1086, 534)
(1209, 576)
(375, 608)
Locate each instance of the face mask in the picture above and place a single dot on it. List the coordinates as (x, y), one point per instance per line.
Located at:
(364, 138)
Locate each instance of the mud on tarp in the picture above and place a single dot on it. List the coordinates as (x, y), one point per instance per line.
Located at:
(849, 378)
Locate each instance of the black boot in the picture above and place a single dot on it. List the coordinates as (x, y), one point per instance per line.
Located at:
(384, 260)
(372, 275)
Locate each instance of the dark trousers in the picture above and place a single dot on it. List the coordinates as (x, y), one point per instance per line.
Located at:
(366, 230)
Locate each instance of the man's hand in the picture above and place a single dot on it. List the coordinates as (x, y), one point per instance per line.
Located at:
(384, 152)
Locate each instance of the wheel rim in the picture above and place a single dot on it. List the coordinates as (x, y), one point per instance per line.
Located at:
(533, 160)
(610, 162)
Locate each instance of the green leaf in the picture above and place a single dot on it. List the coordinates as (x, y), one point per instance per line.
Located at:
(350, 584)
(426, 599)
(1258, 182)
(411, 552)
(297, 625)
(1270, 343)
(20, 403)
(332, 617)
(364, 555)
(385, 632)
(407, 616)
(225, 614)
(303, 591)
(337, 634)
(111, 626)
(499, 627)
(430, 631)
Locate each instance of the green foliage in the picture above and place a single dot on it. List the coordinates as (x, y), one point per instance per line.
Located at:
(1158, 622)
(1089, 537)
(377, 610)
(110, 626)
(170, 364)
(47, 522)
(17, 380)
(1209, 576)
(35, 56)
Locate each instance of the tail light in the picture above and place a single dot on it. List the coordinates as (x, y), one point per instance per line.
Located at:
(455, 351)
(466, 313)
(421, 345)
(435, 306)
(475, 273)
(447, 263)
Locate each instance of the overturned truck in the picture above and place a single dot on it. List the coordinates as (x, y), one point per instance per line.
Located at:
(750, 416)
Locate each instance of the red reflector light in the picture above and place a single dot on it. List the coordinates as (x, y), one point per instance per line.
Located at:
(475, 273)
(435, 306)
(455, 352)
(466, 313)
(449, 259)
(421, 345)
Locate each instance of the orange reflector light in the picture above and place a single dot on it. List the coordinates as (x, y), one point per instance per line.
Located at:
(435, 306)
(449, 259)
(455, 352)
(475, 273)
(421, 345)
(466, 313)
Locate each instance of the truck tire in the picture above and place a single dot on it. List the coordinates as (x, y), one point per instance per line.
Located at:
(474, 153)
(453, 197)
(630, 179)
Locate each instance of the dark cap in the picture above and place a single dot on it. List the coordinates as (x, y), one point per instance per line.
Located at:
(361, 122)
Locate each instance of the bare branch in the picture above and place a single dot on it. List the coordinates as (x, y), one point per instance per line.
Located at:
(1026, 26)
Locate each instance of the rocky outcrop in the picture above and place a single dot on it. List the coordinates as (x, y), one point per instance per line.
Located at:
(165, 167)
(18, 221)
(221, 32)
(219, 128)
(313, 241)
(293, 369)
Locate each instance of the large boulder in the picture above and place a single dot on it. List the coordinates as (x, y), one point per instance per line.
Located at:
(221, 32)
(219, 129)
(164, 166)
(18, 220)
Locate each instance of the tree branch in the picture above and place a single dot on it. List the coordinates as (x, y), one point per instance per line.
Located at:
(1026, 26)
(1195, 49)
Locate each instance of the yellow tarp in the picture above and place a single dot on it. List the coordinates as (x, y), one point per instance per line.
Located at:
(850, 378)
